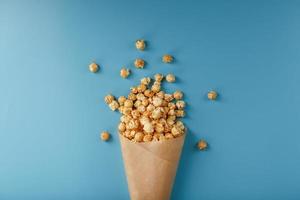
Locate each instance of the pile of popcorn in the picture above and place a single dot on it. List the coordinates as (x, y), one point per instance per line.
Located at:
(148, 113)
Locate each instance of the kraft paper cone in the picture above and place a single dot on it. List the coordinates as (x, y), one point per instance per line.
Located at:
(151, 167)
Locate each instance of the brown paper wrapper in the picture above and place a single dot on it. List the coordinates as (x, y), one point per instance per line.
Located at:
(151, 167)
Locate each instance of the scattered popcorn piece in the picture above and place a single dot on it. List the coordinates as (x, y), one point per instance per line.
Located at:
(212, 95)
(146, 80)
(180, 104)
(180, 113)
(139, 63)
(140, 45)
(105, 136)
(158, 77)
(202, 145)
(124, 73)
(109, 98)
(121, 100)
(170, 78)
(93, 67)
(114, 105)
(167, 58)
(178, 95)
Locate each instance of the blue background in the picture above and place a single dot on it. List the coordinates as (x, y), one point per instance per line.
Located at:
(52, 110)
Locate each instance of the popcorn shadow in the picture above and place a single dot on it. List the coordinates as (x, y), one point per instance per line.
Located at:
(184, 172)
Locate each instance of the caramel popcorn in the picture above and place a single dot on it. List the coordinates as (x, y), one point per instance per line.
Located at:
(128, 103)
(93, 67)
(121, 100)
(212, 95)
(139, 63)
(170, 78)
(124, 73)
(180, 113)
(134, 90)
(156, 87)
(131, 96)
(140, 45)
(202, 145)
(180, 104)
(109, 98)
(114, 105)
(147, 138)
(149, 113)
(122, 127)
(167, 58)
(105, 136)
(158, 77)
(146, 80)
(141, 88)
(178, 95)
(157, 101)
(139, 136)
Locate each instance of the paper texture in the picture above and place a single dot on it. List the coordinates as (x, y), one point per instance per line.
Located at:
(151, 167)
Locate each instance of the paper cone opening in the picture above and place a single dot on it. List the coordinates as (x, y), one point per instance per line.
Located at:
(151, 167)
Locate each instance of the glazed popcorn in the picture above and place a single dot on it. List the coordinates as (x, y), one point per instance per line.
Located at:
(147, 138)
(124, 73)
(202, 145)
(140, 44)
(167, 58)
(148, 113)
(139, 63)
(146, 80)
(109, 98)
(170, 78)
(139, 136)
(105, 136)
(178, 95)
(212, 95)
(93, 67)
(114, 105)
(121, 100)
(156, 87)
(180, 104)
(158, 77)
